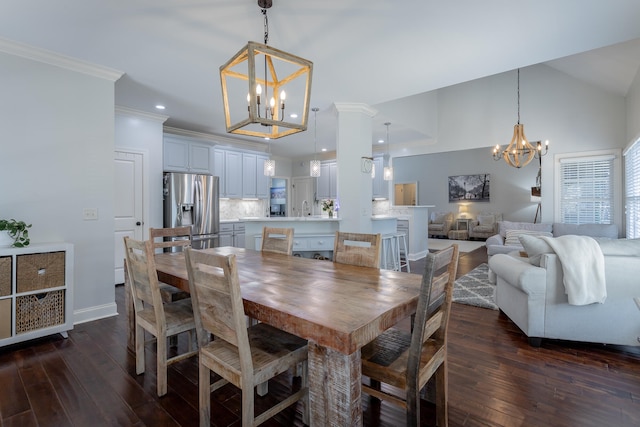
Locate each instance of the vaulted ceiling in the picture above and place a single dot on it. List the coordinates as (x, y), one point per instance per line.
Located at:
(368, 52)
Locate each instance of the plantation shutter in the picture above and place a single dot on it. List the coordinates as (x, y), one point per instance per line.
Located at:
(632, 190)
(586, 190)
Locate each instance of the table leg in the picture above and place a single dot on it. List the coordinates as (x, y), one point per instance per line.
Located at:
(128, 304)
(334, 387)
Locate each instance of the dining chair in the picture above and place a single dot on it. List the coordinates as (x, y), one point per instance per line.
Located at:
(278, 240)
(407, 360)
(244, 357)
(160, 319)
(357, 249)
(171, 239)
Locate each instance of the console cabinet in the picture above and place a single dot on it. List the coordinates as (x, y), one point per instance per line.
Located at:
(36, 291)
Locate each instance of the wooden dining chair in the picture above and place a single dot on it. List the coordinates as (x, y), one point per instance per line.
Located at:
(160, 319)
(244, 357)
(357, 249)
(407, 360)
(278, 240)
(171, 239)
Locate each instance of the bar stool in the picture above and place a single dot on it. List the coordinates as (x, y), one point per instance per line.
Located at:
(389, 253)
(401, 238)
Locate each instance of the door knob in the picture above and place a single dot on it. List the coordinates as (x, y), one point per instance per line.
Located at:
(138, 223)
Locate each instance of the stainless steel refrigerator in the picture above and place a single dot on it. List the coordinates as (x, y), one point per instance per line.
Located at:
(192, 199)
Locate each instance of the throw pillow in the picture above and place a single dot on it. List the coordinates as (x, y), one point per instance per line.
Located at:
(534, 247)
(512, 237)
(508, 225)
(486, 219)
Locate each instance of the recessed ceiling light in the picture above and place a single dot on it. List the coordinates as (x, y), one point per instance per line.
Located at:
(324, 149)
(381, 141)
(294, 115)
(160, 107)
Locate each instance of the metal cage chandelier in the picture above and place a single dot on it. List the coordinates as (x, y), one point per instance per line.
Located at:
(258, 80)
(519, 152)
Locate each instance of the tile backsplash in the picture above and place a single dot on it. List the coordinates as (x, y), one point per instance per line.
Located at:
(238, 208)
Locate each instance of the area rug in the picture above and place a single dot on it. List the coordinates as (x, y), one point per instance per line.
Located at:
(474, 288)
(463, 245)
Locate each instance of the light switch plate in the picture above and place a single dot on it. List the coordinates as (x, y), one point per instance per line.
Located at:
(90, 214)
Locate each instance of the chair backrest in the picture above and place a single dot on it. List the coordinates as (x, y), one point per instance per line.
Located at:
(440, 217)
(357, 249)
(434, 305)
(278, 240)
(217, 302)
(143, 277)
(170, 239)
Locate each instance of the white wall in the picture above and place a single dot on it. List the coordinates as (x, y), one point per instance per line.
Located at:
(633, 110)
(142, 132)
(57, 158)
(573, 115)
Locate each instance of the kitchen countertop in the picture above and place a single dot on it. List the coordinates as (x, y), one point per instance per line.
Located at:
(287, 218)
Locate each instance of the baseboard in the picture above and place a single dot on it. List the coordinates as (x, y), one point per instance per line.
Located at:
(94, 313)
(417, 256)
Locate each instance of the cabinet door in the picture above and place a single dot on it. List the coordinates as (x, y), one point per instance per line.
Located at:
(322, 182)
(226, 239)
(176, 156)
(199, 158)
(380, 186)
(262, 182)
(238, 239)
(249, 175)
(333, 180)
(218, 170)
(233, 174)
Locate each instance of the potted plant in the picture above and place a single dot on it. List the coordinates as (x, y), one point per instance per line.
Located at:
(327, 205)
(17, 231)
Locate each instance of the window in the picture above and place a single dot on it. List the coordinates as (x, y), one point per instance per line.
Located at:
(632, 189)
(587, 188)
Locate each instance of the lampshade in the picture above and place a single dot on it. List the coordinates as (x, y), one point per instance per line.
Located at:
(257, 81)
(462, 211)
(269, 167)
(387, 173)
(314, 165)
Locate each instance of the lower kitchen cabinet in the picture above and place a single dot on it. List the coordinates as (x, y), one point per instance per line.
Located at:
(36, 291)
(232, 234)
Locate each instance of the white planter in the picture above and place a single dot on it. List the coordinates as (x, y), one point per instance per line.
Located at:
(5, 240)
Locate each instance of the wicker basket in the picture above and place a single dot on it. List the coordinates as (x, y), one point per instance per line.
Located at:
(5, 275)
(39, 311)
(39, 271)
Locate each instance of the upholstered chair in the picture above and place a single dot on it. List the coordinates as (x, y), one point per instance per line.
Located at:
(440, 224)
(485, 225)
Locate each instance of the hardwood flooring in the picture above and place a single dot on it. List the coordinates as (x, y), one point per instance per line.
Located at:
(495, 379)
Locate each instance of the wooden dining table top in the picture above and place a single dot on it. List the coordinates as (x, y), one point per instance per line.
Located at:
(338, 306)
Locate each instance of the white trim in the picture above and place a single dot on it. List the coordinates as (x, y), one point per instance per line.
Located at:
(58, 60)
(126, 111)
(146, 192)
(95, 313)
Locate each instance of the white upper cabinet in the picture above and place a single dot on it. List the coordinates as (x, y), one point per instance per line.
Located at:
(233, 174)
(327, 182)
(241, 174)
(249, 175)
(186, 156)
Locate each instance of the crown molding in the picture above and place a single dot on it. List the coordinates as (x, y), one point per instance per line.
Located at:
(218, 139)
(141, 114)
(52, 58)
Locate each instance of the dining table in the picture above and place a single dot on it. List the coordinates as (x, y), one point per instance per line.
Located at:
(337, 307)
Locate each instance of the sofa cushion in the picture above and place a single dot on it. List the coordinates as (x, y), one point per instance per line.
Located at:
(591, 230)
(512, 236)
(535, 247)
(619, 247)
(503, 226)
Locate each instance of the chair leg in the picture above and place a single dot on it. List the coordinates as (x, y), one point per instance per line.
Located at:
(304, 383)
(161, 374)
(247, 407)
(204, 395)
(139, 349)
(442, 395)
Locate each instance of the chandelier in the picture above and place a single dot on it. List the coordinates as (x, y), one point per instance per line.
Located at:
(257, 81)
(520, 152)
(314, 165)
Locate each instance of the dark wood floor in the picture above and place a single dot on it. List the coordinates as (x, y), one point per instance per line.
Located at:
(495, 379)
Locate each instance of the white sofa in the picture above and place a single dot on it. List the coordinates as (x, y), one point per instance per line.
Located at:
(534, 298)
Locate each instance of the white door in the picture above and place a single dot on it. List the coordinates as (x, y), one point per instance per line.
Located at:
(303, 189)
(128, 204)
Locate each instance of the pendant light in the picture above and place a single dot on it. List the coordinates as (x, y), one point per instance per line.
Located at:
(388, 170)
(520, 152)
(269, 164)
(314, 165)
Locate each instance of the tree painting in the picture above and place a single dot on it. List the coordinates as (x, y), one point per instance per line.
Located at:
(469, 188)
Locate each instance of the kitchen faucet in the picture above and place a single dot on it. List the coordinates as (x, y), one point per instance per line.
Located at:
(304, 203)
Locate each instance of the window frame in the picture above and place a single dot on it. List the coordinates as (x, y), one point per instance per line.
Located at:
(617, 172)
(632, 185)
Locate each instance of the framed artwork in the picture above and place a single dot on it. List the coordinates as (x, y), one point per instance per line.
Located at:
(469, 188)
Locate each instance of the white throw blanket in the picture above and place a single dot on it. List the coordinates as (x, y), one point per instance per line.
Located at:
(583, 267)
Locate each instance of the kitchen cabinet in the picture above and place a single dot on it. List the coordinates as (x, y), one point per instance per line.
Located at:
(185, 156)
(233, 174)
(380, 186)
(249, 175)
(327, 183)
(263, 182)
(232, 234)
(241, 174)
(36, 291)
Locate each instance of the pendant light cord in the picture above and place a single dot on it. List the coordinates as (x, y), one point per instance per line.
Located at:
(518, 95)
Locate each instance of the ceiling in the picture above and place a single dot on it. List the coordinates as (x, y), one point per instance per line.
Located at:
(369, 52)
